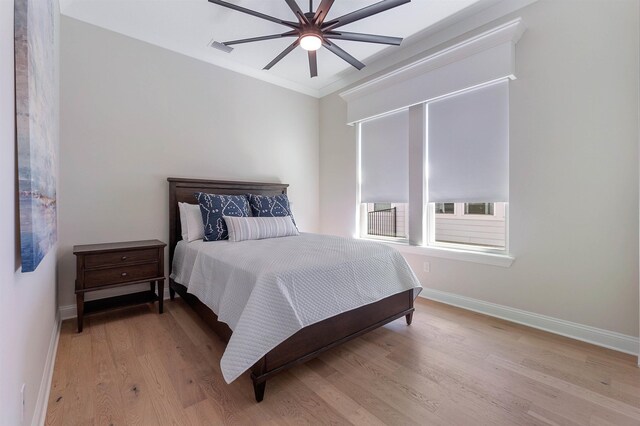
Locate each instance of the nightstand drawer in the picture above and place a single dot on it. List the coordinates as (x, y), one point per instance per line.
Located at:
(119, 258)
(110, 276)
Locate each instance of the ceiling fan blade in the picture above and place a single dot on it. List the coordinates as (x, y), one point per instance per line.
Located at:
(254, 13)
(284, 53)
(269, 37)
(342, 54)
(313, 63)
(366, 38)
(298, 12)
(322, 11)
(365, 12)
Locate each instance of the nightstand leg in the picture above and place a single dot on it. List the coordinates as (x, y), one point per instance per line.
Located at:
(80, 310)
(152, 286)
(160, 295)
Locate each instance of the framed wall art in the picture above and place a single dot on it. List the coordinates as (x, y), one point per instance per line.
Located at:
(36, 128)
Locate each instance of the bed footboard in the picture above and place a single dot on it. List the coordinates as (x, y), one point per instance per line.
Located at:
(313, 340)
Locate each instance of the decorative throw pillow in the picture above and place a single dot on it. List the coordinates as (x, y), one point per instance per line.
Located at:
(191, 222)
(259, 228)
(270, 206)
(213, 207)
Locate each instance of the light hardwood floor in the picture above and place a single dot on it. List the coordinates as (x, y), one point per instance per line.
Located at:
(450, 367)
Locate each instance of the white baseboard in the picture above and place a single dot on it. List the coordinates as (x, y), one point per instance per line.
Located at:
(69, 311)
(40, 411)
(597, 336)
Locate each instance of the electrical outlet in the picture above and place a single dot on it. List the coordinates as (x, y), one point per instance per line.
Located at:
(24, 385)
(426, 267)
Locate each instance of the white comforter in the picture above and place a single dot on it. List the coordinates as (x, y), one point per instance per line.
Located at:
(267, 290)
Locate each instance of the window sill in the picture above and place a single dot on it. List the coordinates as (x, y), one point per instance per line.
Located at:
(493, 259)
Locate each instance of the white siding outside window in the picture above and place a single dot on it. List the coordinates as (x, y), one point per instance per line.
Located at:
(473, 229)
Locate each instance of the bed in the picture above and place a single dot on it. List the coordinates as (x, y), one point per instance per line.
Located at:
(302, 334)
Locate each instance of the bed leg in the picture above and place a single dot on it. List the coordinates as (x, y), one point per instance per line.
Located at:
(258, 389)
(409, 318)
(172, 292)
(258, 369)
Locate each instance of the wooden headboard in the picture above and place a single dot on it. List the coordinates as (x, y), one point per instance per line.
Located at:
(183, 190)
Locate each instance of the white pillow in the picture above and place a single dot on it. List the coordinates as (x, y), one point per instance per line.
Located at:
(191, 222)
(258, 228)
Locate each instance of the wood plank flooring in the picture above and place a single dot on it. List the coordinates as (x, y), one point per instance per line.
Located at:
(450, 367)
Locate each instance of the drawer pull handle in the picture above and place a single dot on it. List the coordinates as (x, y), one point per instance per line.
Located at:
(124, 274)
(124, 257)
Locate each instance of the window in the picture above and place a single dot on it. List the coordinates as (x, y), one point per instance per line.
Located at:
(459, 144)
(384, 188)
(478, 208)
(467, 156)
(458, 140)
(445, 208)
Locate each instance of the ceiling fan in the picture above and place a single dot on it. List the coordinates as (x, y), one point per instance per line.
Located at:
(312, 31)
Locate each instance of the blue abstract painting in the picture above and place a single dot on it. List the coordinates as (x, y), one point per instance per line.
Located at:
(36, 128)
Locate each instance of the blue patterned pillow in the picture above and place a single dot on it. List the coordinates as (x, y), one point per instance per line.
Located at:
(270, 206)
(213, 207)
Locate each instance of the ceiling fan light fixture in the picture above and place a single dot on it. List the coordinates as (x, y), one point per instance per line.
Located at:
(312, 32)
(310, 42)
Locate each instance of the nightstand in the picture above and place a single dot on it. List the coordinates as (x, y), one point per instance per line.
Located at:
(103, 266)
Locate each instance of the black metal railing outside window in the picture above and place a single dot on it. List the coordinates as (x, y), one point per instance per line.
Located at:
(382, 222)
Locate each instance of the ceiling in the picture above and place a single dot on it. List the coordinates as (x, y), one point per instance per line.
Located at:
(188, 27)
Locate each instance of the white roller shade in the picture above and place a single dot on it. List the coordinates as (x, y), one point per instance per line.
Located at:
(468, 146)
(384, 159)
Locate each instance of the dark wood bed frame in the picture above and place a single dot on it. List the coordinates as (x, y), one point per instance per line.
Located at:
(310, 341)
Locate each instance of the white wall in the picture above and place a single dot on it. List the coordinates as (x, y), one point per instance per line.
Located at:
(133, 114)
(27, 301)
(574, 171)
